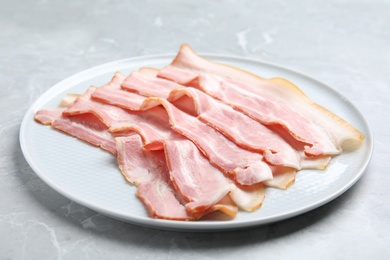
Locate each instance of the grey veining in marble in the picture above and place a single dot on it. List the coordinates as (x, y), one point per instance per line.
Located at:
(345, 44)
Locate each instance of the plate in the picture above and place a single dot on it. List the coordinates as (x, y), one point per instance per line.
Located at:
(90, 176)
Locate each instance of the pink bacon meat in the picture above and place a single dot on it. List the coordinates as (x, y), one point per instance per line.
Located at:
(201, 198)
(148, 170)
(280, 182)
(192, 152)
(320, 131)
(243, 166)
(241, 129)
(142, 171)
(84, 127)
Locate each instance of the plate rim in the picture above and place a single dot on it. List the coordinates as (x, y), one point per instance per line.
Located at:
(197, 226)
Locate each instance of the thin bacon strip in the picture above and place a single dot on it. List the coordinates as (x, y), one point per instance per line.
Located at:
(190, 69)
(244, 131)
(272, 112)
(243, 166)
(47, 116)
(202, 184)
(92, 133)
(247, 133)
(154, 87)
(137, 168)
(265, 109)
(147, 170)
(175, 146)
(112, 93)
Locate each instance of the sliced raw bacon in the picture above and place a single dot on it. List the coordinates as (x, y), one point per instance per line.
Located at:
(243, 166)
(248, 133)
(272, 112)
(243, 130)
(151, 124)
(93, 133)
(143, 169)
(178, 145)
(112, 93)
(321, 131)
(266, 110)
(208, 113)
(148, 72)
(154, 128)
(148, 170)
(150, 86)
(47, 116)
(152, 114)
(202, 185)
(239, 128)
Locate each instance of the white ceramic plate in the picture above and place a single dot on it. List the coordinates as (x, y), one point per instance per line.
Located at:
(90, 176)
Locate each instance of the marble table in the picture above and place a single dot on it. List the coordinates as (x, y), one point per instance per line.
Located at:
(344, 44)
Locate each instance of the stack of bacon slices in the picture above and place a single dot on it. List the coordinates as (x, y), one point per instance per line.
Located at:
(198, 136)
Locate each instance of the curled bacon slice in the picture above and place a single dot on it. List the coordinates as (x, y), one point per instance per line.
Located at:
(320, 131)
(155, 131)
(148, 170)
(243, 166)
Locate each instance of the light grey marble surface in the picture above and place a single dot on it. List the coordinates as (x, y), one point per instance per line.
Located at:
(345, 44)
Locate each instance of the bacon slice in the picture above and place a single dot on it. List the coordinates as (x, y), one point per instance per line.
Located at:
(239, 128)
(91, 132)
(243, 166)
(112, 93)
(202, 185)
(248, 133)
(154, 128)
(147, 170)
(47, 116)
(249, 198)
(277, 114)
(296, 129)
(154, 87)
(149, 72)
(242, 130)
(321, 131)
(121, 121)
(138, 168)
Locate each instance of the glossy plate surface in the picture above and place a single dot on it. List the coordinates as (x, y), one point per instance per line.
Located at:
(90, 176)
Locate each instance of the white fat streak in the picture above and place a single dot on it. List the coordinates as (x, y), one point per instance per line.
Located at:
(245, 200)
(138, 175)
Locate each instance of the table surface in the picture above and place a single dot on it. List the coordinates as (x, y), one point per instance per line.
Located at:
(344, 44)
